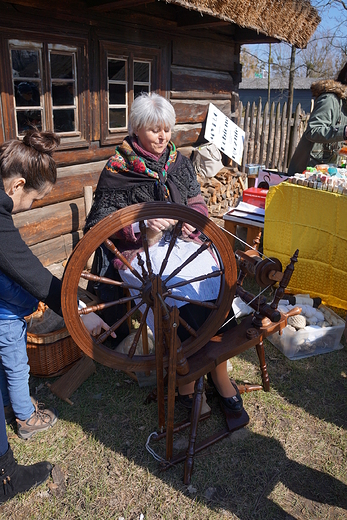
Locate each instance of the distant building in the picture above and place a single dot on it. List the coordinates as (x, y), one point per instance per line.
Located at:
(251, 89)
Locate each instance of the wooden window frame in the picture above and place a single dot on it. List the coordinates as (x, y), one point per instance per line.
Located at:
(129, 53)
(47, 45)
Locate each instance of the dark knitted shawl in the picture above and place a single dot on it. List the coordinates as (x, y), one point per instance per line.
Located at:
(121, 184)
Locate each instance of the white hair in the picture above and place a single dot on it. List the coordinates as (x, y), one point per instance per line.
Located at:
(150, 109)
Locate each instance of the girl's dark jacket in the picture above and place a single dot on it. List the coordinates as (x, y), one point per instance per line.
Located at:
(326, 127)
(20, 264)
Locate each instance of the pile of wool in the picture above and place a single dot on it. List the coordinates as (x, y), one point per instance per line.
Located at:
(315, 318)
(314, 331)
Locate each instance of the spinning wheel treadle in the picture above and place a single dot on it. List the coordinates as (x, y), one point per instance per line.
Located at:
(212, 239)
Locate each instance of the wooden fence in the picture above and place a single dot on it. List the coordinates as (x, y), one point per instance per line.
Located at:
(271, 136)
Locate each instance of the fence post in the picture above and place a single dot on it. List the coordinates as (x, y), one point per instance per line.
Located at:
(294, 137)
(269, 147)
(263, 133)
(277, 137)
(286, 149)
(256, 134)
(245, 146)
(283, 137)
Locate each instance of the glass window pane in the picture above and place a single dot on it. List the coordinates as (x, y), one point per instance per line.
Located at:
(117, 118)
(27, 94)
(116, 70)
(141, 71)
(140, 88)
(64, 120)
(117, 94)
(26, 119)
(61, 66)
(62, 94)
(25, 63)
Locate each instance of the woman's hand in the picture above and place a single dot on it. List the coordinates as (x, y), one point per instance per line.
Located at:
(187, 230)
(95, 324)
(160, 224)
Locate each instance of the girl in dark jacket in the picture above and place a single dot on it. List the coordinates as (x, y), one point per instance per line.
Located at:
(27, 173)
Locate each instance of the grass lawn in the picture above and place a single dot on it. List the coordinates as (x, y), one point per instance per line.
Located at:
(288, 463)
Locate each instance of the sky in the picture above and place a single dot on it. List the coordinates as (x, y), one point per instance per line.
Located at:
(332, 17)
(334, 21)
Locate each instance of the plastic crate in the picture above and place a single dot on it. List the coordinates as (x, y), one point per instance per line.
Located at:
(309, 341)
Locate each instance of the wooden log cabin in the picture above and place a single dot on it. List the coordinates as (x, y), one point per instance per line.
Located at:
(75, 66)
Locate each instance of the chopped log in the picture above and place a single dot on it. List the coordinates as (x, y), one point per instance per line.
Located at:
(222, 191)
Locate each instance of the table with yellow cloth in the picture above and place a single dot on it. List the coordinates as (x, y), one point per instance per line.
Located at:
(315, 222)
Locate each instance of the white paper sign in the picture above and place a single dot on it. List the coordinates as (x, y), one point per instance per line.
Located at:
(222, 131)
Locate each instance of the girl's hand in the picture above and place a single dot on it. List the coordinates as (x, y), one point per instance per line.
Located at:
(95, 324)
(160, 224)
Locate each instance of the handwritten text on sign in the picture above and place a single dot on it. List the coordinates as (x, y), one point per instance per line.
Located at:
(227, 136)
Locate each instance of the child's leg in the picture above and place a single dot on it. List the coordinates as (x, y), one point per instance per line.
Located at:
(15, 364)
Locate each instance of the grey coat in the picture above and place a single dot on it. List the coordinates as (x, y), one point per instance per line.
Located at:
(326, 127)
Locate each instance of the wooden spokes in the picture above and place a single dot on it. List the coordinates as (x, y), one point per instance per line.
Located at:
(144, 269)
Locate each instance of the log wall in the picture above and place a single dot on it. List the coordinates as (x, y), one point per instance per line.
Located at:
(196, 68)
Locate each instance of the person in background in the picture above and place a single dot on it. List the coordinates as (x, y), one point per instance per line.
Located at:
(327, 125)
(146, 167)
(27, 173)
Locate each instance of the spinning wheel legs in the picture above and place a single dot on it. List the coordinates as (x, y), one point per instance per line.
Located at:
(233, 423)
(263, 367)
(196, 411)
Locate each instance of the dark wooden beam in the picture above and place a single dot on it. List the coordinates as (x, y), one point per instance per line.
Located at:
(103, 7)
(38, 4)
(192, 20)
(243, 36)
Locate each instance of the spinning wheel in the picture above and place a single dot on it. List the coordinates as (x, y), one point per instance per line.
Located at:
(145, 296)
(158, 292)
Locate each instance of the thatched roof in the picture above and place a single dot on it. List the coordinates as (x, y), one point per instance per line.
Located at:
(292, 21)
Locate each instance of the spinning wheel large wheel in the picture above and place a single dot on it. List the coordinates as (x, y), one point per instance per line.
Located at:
(211, 239)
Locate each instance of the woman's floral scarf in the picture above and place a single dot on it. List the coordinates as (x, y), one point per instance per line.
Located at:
(126, 161)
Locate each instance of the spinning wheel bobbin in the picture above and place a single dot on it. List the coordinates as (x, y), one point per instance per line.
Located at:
(266, 272)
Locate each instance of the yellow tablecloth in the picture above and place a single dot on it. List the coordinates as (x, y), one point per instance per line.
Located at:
(315, 222)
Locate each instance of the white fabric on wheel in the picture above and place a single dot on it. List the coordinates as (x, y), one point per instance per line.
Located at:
(205, 263)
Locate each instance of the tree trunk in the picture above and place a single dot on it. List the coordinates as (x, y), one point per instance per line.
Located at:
(291, 80)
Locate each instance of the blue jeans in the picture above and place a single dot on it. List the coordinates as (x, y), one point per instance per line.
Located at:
(14, 368)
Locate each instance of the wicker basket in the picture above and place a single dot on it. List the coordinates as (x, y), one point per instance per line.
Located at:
(51, 354)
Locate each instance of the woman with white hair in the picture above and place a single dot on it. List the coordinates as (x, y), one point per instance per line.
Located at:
(146, 167)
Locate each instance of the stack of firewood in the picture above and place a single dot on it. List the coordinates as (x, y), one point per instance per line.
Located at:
(222, 191)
